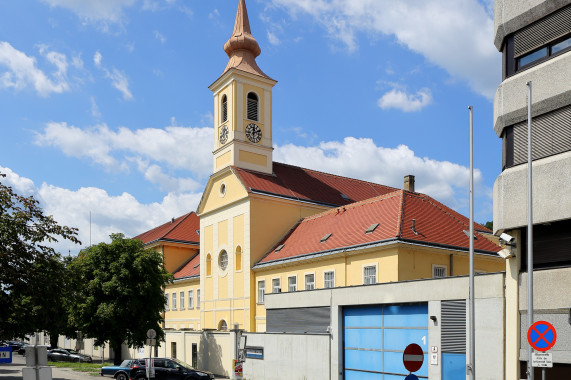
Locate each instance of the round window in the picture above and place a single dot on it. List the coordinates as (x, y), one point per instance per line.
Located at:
(222, 190)
(223, 260)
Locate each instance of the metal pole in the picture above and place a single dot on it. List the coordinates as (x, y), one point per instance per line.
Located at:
(472, 298)
(529, 234)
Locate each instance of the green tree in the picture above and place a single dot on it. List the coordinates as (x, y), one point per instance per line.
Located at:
(26, 235)
(119, 292)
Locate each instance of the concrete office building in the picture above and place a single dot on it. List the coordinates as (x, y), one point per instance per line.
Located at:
(535, 39)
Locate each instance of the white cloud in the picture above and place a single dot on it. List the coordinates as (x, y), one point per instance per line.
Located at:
(95, 109)
(363, 159)
(177, 147)
(94, 10)
(273, 38)
(21, 185)
(97, 57)
(22, 71)
(405, 102)
(118, 78)
(455, 35)
(160, 37)
(120, 82)
(109, 213)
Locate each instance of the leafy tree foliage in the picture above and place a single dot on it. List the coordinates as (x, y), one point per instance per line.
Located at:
(25, 234)
(489, 225)
(119, 292)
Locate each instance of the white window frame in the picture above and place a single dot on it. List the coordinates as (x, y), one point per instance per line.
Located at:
(324, 280)
(439, 266)
(191, 299)
(167, 301)
(376, 273)
(274, 289)
(263, 288)
(198, 298)
(305, 280)
(289, 285)
(181, 300)
(174, 296)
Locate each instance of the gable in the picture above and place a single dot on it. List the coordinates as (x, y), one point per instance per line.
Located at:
(223, 188)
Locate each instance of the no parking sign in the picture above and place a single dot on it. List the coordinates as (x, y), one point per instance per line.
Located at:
(541, 336)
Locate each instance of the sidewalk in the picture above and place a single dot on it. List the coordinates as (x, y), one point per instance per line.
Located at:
(13, 371)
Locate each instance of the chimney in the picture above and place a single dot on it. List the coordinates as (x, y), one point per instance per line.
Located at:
(409, 183)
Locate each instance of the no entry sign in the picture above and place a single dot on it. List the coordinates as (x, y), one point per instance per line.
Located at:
(413, 357)
(541, 336)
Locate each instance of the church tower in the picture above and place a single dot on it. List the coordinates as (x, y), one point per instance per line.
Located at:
(243, 104)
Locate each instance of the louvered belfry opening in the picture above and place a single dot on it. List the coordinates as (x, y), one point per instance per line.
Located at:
(252, 106)
(224, 108)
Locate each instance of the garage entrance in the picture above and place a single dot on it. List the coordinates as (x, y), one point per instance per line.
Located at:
(374, 338)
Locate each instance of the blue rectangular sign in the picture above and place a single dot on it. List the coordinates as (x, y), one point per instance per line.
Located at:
(5, 354)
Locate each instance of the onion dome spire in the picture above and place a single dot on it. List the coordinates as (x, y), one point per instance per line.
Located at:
(242, 48)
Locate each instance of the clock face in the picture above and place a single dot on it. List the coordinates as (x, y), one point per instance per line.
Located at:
(224, 135)
(253, 133)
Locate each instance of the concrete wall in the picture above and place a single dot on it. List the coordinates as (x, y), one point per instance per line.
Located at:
(550, 92)
(551, 181)
(289, 356)
(490, 314)
(551, 303)
(511, 15)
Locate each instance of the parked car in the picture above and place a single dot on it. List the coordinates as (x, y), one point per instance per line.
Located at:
(22, 350)
(67, 355)
(122, 371)
(169, 369)
(15, 345)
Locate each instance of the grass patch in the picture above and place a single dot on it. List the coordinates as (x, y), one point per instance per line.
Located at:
(89, 368)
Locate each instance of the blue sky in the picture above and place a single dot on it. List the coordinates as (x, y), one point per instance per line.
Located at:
(105, 107)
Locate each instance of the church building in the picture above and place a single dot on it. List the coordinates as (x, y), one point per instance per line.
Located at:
(267, 227)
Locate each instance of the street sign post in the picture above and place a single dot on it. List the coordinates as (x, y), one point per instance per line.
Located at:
(413, 357)
(541, 336)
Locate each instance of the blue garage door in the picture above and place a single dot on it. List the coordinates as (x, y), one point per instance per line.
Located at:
(376, 336)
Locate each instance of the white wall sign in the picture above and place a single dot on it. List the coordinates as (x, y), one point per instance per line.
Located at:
(542, 359)
(433, 359)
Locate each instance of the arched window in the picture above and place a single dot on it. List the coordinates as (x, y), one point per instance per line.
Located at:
(252, 106)
(238, 258)
(208, 265)
(224, 108)
(222, 325)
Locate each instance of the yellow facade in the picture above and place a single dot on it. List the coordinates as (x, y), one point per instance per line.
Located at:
(186, 316)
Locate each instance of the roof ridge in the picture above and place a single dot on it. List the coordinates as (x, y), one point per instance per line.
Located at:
(355, 204)
(443, 208)
(335, 175)
(182, 218)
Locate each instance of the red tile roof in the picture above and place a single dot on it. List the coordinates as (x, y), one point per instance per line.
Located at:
(180, 230)
(435, 224)
(189, 269)
(310, 185)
